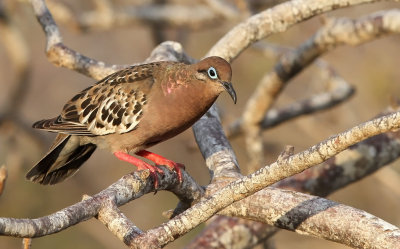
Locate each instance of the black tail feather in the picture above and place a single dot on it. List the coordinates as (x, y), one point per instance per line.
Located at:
(61, 162)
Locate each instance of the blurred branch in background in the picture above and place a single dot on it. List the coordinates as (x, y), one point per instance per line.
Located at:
(61, 55)
(106, 15)
(338, 31)
(3, 178)
(14, 128)
(11, 38)
(338, 92)
(229, 192)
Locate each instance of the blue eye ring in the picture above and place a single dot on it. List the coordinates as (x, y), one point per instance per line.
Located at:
(212, 73)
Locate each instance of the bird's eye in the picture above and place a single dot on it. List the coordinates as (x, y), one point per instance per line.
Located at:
(212, 73)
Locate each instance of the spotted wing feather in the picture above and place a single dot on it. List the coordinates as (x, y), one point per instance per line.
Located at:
(113, 105)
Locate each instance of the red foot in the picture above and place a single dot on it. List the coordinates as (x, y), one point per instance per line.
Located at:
(141, 165)
(159, 160)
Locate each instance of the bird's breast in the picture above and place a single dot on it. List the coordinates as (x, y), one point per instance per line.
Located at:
(172, 110)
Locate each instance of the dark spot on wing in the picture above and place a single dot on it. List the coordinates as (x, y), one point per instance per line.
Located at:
(86, 103)
(137, 108)
(117, 121)
(120, 112)
(116, 109)
(101, 98)
(92, 115)
(88, 110)
(104, 114)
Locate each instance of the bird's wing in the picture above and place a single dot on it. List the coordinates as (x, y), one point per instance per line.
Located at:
(113, 105)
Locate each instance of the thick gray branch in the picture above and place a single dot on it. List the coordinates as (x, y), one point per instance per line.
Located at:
(264, 177)
(129, 187)
(315, 216)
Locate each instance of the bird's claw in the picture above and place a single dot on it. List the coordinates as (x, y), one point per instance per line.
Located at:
(159, 160)
(178, 167)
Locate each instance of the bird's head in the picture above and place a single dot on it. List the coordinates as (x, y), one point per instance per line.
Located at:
(217, 71)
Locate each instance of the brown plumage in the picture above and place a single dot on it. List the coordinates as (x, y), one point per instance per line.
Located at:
(129, 111)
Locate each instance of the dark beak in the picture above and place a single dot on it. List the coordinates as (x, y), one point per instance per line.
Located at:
(229, 88)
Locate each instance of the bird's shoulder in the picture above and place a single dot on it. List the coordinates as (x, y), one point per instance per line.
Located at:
(132, 74)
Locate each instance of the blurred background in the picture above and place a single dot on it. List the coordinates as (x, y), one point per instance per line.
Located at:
(372, 68)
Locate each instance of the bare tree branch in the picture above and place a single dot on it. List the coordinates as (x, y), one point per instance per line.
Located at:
(223, 8)
(219, 234)
(61, 55)
(349, 166)
(116, 221)
(214, 145)
(129, 187)
(107, 15)
(338, 92)
(274, 20)
(317, 217)
(335, 33)
(262, 178)
(260, 25)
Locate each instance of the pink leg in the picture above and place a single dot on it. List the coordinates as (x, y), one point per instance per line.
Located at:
(141, 165)
(159, 160)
